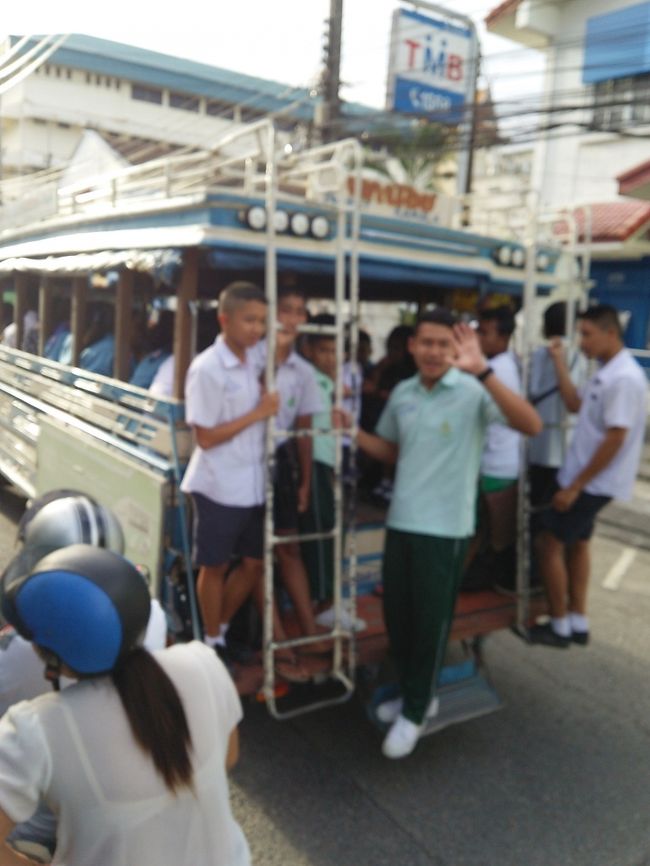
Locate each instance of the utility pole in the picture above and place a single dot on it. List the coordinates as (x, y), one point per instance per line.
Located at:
(330, 109)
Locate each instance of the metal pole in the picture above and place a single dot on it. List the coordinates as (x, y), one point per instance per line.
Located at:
(270, 288)
(332, 74)
(523, 548)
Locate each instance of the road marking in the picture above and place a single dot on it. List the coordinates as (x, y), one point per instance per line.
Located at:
(617, 572)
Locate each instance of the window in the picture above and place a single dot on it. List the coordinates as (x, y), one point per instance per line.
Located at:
(621, 102)
(249, 115)
(216, 108)
(146, 94)
(184, 101)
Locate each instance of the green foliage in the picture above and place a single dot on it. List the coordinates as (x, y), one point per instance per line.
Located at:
(411, 157)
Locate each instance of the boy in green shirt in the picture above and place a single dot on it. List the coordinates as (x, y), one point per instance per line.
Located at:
(433, 428)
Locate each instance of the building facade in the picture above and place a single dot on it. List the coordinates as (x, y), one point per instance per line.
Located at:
(142, 103)
(593, 132)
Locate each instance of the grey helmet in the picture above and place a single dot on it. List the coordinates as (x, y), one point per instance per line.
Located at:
(74, 519)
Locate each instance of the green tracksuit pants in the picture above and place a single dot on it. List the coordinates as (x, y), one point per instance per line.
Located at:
(421, 576)
(318, 556)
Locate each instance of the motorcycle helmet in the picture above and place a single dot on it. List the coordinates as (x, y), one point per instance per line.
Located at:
(73, 519)
(85, 605)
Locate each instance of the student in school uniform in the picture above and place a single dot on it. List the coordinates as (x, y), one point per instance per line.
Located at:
(600, 465)
(300, 398)
(433, 428)
(227, 408)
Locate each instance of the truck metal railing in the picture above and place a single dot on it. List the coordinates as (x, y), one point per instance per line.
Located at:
(238, 161)
(127, 418)
(320, 175)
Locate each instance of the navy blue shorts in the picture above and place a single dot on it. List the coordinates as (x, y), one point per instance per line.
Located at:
(576, 524)
(224, 531)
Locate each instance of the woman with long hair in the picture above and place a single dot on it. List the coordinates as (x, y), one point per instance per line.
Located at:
(133, 757)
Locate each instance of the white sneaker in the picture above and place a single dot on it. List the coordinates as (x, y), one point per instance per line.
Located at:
(401, 739)
(34, 850)
(348, 622)
(388, 711)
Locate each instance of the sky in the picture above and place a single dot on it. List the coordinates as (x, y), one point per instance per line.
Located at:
(279, 40)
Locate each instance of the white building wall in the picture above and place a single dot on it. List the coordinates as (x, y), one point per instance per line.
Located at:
(579, 167)
(45, 115)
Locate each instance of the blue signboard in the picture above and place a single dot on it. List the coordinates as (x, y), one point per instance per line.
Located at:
(430, 66)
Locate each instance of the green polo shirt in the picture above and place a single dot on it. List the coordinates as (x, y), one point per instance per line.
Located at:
(440, 435)
(324, 445)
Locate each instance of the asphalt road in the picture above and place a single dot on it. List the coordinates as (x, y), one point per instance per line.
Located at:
(559, 776)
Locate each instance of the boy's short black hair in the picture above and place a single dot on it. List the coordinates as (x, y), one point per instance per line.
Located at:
(439, 316)
(321, 319)
(555, 320)
(604, 316)
(504, 318)
(236, 294)
(292, 292)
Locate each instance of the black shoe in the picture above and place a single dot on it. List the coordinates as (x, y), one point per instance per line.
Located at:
(544, 634)
(580, 637)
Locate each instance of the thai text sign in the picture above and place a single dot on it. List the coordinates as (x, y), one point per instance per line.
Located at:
(404, 200)
(430, 66)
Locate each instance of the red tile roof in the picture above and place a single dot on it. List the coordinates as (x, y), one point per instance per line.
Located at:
(502, 9)
(611, 222)
(629, 181)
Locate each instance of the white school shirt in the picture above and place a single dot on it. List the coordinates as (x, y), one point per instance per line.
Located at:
(220, 388)
(615, 396)
(75, 749)
(501, 450)
(22, 669)
(296, 384)
(162, 384)
(548, 447)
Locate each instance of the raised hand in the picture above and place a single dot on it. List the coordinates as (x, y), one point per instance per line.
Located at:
(468, 355)
(556, 350)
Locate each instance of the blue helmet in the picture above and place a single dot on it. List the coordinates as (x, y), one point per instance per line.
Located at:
(86, 605)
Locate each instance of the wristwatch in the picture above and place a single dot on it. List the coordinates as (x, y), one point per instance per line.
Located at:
(482, 376)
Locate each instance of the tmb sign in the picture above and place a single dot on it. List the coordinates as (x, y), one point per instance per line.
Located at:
(430, 66)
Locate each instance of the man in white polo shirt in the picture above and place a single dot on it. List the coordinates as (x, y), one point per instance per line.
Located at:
(601, 465)
(227, 407)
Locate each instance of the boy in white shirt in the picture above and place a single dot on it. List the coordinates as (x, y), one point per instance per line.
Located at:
(601, 465)
(546, 451)
(500, 459)
(227, 408)
(300, 399)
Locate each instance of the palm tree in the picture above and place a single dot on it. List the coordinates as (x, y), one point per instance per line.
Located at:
(411, 157)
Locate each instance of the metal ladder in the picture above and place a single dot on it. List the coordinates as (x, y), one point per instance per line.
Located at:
(320, 177)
